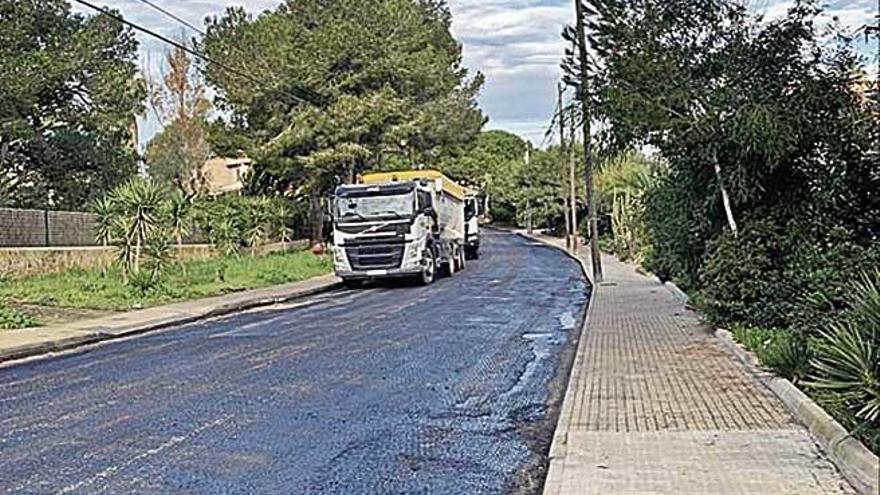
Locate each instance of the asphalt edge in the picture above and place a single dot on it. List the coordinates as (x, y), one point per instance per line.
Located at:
(559, 446)
(47, 348)
(857, 464)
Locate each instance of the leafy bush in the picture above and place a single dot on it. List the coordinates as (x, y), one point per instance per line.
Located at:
(12, 318)
(676, 228)
(777, 275)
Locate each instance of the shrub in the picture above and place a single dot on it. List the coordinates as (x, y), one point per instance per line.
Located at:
(777, 275)
(676, 228)
(847, 361)
(12, 318)
(133, 216)
(785, 353)
(742, 279)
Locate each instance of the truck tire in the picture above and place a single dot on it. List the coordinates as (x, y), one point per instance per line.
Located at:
(429, 271)
(451, 265)
(473, 252)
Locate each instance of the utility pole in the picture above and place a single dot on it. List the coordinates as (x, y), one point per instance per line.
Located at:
(562, 158)
(572, 193)
(583, 57)
(528, 200)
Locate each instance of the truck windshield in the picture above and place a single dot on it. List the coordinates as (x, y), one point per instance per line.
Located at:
(470, 208)
(370, 207)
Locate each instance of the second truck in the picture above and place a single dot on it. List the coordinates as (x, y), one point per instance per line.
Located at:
(399, 224)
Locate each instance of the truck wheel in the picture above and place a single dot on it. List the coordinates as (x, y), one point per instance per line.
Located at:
(429, 271)
(451, 264)
(472, 252)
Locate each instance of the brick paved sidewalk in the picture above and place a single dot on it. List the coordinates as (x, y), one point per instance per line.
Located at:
(655, 405)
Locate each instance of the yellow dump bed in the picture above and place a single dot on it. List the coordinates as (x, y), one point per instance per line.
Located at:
(451, 187)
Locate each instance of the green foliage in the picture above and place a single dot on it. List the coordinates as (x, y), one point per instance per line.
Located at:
(68, 98)
(622, 184)
(770, 206)
(788, 354)
(234, 222)
(12, 318)
(373, 79)
(105, 290)
(132, 217)
(781, 276)
(494, 163)
(847, 361)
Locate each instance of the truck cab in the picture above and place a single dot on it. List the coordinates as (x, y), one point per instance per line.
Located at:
(472, 213)
(403, 225)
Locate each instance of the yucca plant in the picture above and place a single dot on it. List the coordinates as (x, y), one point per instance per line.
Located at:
(130, 217)
(179, 213)
(847, 357)
(105, 212)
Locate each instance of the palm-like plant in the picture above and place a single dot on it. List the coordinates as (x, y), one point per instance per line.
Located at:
(847, 361)
(129, 216)
(105, 212)
(179, 212)
(140, 203)
(622, 182)
(281, 216)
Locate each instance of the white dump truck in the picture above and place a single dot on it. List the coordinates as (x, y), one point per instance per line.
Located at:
(399, 224)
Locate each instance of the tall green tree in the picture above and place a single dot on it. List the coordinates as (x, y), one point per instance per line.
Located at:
(69, 95)
(346, 85)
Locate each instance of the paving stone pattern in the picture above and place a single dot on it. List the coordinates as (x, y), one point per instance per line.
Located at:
(657, 406)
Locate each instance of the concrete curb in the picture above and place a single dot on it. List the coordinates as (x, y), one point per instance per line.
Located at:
(210, 307)
(559, 445)
(857, 464)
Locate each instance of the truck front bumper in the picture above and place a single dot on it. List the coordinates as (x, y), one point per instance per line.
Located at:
(374, 274)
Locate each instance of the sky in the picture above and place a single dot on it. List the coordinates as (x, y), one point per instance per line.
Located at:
(516, 44)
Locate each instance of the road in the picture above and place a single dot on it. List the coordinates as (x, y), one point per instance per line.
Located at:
(446, 389)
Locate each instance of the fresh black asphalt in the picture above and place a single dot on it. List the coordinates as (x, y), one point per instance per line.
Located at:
(443, 389)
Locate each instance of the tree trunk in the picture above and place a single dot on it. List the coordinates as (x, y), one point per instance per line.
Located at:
(588, 160)
(725, 197)
(316, 216)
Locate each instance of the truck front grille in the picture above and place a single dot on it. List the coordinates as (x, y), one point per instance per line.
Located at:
(374, 256)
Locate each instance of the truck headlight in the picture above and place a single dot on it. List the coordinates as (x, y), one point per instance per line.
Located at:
(340, 259)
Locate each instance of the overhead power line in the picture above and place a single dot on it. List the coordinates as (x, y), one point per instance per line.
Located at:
(303, 96)
(198, 30)
(173, 16)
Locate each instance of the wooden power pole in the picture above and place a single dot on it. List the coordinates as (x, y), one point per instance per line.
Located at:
(562, 159)
(583, 57)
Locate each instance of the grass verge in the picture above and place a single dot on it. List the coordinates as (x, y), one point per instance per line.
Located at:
(105, 289)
